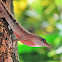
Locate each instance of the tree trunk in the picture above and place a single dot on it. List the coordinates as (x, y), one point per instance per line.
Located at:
(8, 51)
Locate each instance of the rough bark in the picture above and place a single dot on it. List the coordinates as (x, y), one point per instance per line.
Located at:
(8, 51)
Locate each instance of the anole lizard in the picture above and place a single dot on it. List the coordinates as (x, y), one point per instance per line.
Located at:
(22, 34)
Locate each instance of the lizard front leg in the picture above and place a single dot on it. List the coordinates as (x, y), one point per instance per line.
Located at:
(16, 39)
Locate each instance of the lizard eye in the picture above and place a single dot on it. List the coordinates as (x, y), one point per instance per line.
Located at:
(43, 40)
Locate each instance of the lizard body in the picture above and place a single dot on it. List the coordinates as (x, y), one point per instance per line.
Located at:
(22, 34)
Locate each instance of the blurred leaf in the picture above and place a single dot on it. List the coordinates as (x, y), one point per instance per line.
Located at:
(50, 38)
(57, 41)
(52, 53)
(49, 9)
(58, 2)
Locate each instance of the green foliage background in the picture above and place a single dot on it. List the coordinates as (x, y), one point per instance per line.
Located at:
(44, 18)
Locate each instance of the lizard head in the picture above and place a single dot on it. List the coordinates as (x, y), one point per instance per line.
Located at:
(39, 42)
